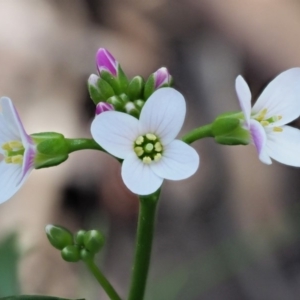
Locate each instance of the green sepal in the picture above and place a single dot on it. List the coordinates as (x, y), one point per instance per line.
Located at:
(117, 103)
(105, 88)
(112, 81)
(71, 253)
(238, 136)
(58, 236)
(123, 80)
(149, 86)
(34, 297)
(52, 149)
(93, 241)
(223, 126)
(136, 88)
(95, 94)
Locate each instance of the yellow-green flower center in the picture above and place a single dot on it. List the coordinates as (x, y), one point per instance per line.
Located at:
(14, 151)
(148, 148)
(261, 118)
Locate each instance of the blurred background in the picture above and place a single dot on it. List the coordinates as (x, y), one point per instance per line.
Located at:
(232, 231)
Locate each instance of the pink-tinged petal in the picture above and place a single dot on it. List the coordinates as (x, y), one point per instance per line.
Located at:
(285, 146)
(161, 77)
(281, 97)
(179, 161)
(116, 132)
(13, 122)
(244, 96)
(10, 180)
(105, 61)
(259, 139)
(138, 177)
(102, 107)
(163, 114)
(28, 162)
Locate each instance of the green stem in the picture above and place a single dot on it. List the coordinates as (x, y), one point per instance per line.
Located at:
(82, 144)
(108, 288)
(198, 133)
(143, 245)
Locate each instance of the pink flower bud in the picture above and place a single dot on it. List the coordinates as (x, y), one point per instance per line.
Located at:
(102, 107)
(161, 77)
(105, 61)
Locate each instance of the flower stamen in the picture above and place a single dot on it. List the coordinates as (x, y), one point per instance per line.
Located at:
(278, 129)
(262, 115)
(148, 148)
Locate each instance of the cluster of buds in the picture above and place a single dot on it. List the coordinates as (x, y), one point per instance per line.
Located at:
(81, 246)
(111, 89)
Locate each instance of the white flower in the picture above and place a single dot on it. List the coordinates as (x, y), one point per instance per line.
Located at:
(16, 149)
(278, 105)
(147, 145)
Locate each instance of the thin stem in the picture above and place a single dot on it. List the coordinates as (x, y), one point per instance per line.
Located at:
(108, 288)
(82, 144)
(198, 133)
(143, 246)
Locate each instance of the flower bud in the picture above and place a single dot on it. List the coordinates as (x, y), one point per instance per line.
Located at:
(79, 236)
(160, 78)
(52, 149)
(116, 102)
(71, 253)
(59, 237)
(102, 107)
(105, 61)
(93, 241)
(136, 88)
(105, 89)
(94, 90)
(228, 130)
(111, 71)
(131, 109)
(86, 255)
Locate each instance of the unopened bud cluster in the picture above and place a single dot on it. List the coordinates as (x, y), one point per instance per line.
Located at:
(81, 246)
(111, 89)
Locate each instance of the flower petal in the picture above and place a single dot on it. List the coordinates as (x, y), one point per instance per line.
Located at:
(281, 97)
(115, 132)
(163, 114)
(138, 177)
(10, 180)
(13, 125)
(285, 146)
(259, 138)
(244, 96)
(179, 161)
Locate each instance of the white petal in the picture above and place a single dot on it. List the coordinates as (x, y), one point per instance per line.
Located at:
(14, 126)
(244, 96)
(163, 114)
(259, 138)
(10, 180)
(138, 177)
(281, 97)
(285, 146)
(179, 161)
(115, 132)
